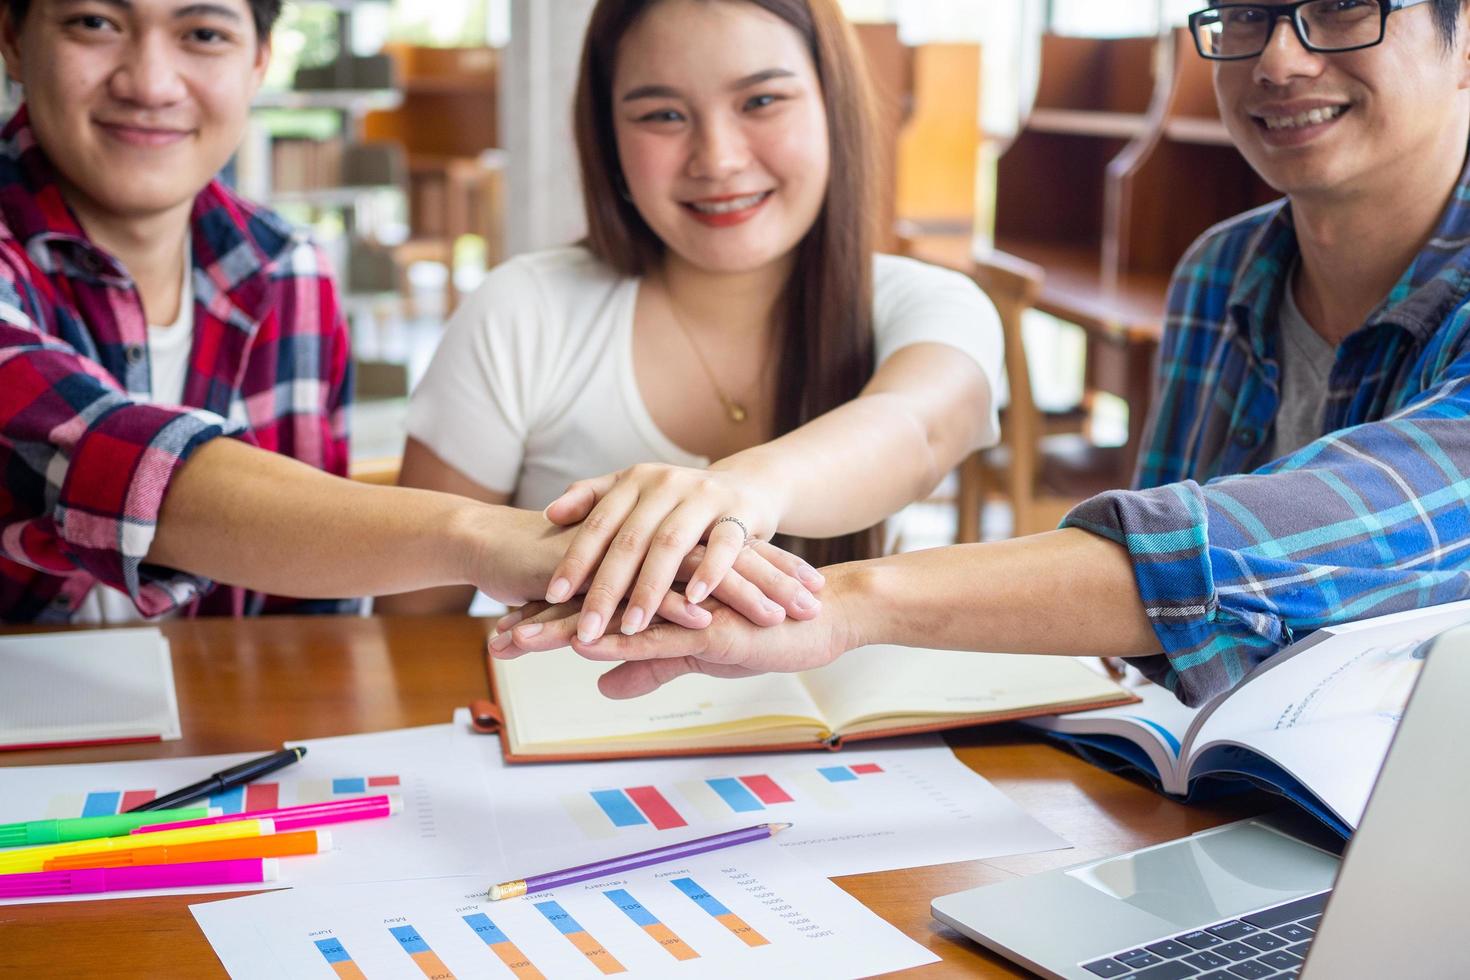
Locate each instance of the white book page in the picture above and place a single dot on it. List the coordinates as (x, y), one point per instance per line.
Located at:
(86, 685)
(1305, 705)
(742, 912)
(553, 699)
(878, 681)
(1157, 723)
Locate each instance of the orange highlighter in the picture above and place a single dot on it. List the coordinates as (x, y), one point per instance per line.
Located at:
(276, 845)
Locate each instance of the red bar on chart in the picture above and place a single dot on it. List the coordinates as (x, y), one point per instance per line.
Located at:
(658, 810)
(867, 768)
(262, 796)
(382, 781)
(135, 797)
(765, 789)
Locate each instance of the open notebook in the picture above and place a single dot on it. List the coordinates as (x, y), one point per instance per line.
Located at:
(85, 687)
(547, 705)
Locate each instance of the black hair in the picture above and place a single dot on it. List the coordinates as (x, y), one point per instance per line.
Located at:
(264, 13)
(1447, 19)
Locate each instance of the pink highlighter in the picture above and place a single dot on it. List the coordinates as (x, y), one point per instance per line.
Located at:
(300, 817)
(87, 880)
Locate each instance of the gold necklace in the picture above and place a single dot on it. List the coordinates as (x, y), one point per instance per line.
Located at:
(735, 411)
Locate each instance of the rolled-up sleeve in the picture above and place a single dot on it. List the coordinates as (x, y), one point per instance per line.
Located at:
(1365, 521)
(87, 467)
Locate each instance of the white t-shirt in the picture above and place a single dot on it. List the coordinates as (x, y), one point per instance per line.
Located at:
(533, 386)
(168, 367)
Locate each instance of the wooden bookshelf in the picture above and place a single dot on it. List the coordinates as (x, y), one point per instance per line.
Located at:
(1182, 177)
(1093, 99)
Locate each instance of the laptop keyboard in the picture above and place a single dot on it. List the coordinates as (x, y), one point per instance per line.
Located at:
(1269, 943)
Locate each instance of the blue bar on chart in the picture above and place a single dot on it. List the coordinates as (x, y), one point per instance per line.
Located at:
(589, 947)
(418, 950)
(837, 774)
(734, 793)
(230, 801)
(356, 784)
(650, 923)
(501, 946)
(101, 804)
(619, 809)
(339, 959)
(720, 913)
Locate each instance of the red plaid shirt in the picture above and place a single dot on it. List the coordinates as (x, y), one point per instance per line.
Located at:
(86, 460)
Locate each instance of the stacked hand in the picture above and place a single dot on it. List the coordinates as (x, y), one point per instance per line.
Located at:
(641, 527)
(727, 644)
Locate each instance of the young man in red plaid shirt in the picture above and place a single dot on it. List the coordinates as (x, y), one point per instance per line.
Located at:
(173, 362)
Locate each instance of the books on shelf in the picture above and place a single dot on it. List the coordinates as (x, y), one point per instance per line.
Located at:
(1312, 724)
(547, 705)
(86, 687)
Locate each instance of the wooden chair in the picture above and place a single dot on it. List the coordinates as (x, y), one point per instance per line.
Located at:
(1043, 466)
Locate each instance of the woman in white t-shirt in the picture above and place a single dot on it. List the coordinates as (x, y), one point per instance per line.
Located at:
(724, 357)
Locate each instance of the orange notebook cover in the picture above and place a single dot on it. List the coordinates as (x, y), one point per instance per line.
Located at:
(546, 708)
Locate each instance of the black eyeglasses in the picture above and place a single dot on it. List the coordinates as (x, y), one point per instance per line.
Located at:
(1232, 31)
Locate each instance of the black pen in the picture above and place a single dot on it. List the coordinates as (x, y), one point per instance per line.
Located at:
(225, 779)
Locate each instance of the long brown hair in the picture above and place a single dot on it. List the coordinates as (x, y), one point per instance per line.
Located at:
(826, 309)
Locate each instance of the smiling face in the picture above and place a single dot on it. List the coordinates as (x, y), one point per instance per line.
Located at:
(137, 103)
(721, 132)
(1331, 125)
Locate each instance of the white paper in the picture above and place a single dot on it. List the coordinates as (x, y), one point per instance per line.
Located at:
(787, 921)
(442, 830)
(892, 807)
(86, 686)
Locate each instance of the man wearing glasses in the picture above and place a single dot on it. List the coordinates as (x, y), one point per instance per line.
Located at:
(1309, 460)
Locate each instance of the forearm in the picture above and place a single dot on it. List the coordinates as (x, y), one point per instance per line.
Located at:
(859, 463)
(1065, 592)
(256, 519)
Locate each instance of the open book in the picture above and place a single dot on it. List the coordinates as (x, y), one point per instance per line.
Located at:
(1312, 723)
(548, 706)
(86, 687)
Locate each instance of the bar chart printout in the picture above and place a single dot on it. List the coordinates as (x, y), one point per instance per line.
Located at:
(428, 961)
(579, 937)
(500, 944)
(253, 796)
(340, 962)
(649, 923)
(721, 914)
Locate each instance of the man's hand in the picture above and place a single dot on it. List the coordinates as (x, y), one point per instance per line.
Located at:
(730, 646)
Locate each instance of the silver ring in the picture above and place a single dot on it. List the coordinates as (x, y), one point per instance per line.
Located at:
(738, 523)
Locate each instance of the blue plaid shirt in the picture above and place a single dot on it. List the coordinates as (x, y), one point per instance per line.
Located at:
(1237, 555)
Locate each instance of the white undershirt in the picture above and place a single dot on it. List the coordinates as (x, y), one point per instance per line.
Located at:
(168, 368)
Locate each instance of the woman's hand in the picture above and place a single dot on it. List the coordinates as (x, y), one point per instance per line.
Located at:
(638, 526)
(760, 573)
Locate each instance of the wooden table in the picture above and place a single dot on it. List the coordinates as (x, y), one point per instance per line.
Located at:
(246, 686)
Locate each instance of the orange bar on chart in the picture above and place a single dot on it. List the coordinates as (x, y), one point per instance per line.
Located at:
(428, 961)
(339, 960)
(500, 944)
(580, 938)
(662, 934)
(722, 915)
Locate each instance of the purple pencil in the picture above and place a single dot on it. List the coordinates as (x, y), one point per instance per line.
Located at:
(630, 862)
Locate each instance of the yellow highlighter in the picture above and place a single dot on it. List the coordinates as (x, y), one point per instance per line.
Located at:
(30, 859)
(272, 846)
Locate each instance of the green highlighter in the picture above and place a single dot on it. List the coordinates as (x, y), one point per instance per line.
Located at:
(89, 828)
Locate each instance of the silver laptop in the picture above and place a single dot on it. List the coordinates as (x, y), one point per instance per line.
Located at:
(1249, 900)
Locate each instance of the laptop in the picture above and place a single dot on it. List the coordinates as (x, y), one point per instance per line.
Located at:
(1249, 900)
